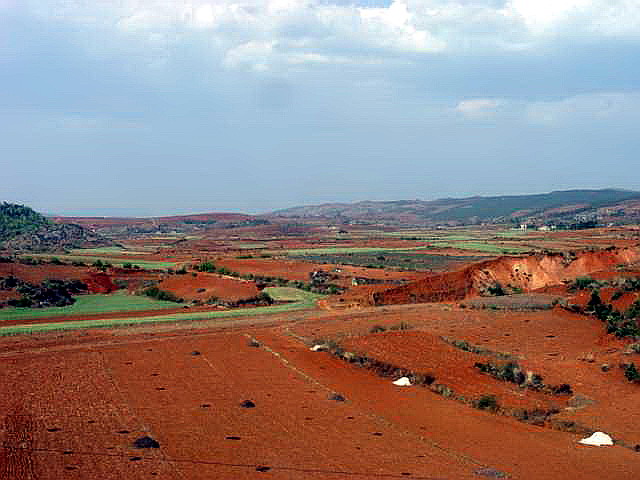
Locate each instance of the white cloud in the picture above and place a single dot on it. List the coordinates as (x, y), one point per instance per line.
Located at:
(479, 107)
(259, 35)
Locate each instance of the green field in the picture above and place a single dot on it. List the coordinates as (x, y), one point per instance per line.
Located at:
(307, 301)
(88, 259)
(483, 247)
(396, 260)
(300, 252)
(90, 304)
(106, 251)
(290, 294)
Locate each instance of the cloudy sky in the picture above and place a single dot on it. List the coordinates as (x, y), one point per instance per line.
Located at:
(146, 107)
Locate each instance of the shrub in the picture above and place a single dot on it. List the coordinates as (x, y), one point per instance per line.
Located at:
(496, 290)
(23, 302)
(100, 265)
(127, 265)
(487, 402)
(207, 267)
(631, 373)
(377, 329)
(584, 283)
(158, 294)
(401, 326)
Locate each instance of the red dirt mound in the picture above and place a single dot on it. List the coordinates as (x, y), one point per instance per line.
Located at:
(527, 273)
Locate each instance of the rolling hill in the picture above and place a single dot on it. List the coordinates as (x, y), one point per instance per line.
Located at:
(560, 207)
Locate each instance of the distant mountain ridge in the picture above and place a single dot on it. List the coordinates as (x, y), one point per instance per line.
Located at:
(558, 207)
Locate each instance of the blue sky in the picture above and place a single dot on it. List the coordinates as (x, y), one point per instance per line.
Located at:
(149, 107)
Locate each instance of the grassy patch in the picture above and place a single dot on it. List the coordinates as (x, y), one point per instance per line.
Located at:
(290, 294)
(176, 317)
(343, 250)
(483, 247)
(404, 261)
(149, 264)
(89, 304)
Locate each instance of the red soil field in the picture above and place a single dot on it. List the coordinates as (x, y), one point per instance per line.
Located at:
(95, 399)
(203, 286)
(96, 281)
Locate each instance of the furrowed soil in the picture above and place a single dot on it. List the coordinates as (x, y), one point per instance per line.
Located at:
(72, 403)
(99, 392)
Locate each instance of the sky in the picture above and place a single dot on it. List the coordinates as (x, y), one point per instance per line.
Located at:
(152, 107)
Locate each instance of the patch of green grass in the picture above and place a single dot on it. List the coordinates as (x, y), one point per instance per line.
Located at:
(148, 264)
(176, 317)
(483, 247)
(345, 250)
(116, 251)
(89, 304)
(515, 233)
(290, 294)
(98, 250)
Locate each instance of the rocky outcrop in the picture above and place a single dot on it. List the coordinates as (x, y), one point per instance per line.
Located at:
(56, 237)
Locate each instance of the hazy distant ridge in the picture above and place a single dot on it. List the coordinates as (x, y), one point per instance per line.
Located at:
(560, 206)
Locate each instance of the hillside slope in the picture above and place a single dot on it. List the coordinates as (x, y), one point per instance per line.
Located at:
(24, 229)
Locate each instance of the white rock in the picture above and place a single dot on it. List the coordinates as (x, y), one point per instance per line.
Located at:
(320, 347)
(598, 439)
(402, 382)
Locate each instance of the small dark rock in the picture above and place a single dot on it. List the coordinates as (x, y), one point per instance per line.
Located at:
(124, 432)
(377, 434)
(135, 459)
(146, 442)
(53, 429)
(232, 437)
(195, 352)
(248, 404)
(262, 468)
(490, 472)
(337, 397)
(205, 405)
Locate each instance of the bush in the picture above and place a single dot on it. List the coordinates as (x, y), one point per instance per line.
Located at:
(100, 265)
(401, 326)
(207, 267)
(487, 402)
(23, 302)
(158, 294)
(584, 283)
(631, 373)
(496, 290)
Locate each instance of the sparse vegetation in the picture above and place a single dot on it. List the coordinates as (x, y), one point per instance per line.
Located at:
(631, 372)
(163, 295)
(583, 283)
(487, 402)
